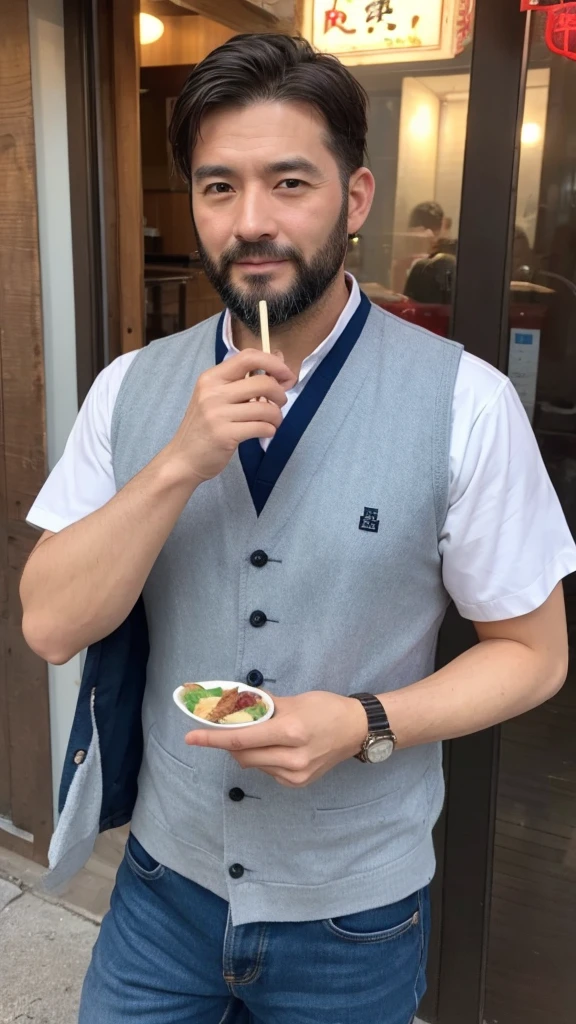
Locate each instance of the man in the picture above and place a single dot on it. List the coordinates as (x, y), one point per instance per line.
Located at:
(428, 218)
(309, 543)
(426, 225)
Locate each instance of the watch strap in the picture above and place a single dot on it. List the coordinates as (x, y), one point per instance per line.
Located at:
(377, 717)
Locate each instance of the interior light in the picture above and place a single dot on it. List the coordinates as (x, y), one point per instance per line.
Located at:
(421, 123)
(151, 29)
(531, 133)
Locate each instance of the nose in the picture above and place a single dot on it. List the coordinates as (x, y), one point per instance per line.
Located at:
(254, 220)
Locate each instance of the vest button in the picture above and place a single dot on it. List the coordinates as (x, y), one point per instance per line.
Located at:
(254, 678)
(236, 871)
(236, 794)
(258, 619)
(79, 757)
(259, 559)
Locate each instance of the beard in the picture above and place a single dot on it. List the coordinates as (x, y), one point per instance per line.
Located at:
(312, 279)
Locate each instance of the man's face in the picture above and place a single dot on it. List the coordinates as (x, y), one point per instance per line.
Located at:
(270, 211)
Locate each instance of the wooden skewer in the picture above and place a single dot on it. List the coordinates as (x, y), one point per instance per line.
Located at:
(264, 332)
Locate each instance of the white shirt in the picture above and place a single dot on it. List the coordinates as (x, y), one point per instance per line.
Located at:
(505, 543)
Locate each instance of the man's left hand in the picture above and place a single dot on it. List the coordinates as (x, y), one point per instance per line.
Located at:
(308, 735)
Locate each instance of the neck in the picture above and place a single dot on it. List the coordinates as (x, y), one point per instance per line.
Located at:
(298, 338)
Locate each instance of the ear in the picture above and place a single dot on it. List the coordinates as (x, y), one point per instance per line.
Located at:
(360, 196)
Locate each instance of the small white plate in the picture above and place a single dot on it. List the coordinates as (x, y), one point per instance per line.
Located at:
(201, 723)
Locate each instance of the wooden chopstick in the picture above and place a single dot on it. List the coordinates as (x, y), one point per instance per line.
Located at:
(264, 332)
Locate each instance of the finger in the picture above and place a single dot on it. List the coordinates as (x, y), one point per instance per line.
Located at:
(238, 366)
(264, 412)
(270, 734)
(292, 780)
(254, 387)
(289, 759)
(248, 431)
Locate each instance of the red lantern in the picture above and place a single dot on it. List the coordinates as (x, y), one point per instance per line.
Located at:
(560, 24)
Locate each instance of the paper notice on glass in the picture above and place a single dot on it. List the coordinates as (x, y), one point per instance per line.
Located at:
(523, 365)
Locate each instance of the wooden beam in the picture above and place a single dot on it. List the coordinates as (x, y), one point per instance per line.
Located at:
(186, 41)
(25, 734)
(164, 9)
(238, 14)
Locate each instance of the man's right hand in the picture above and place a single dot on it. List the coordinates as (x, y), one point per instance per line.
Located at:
(222, 412)
(81, 583)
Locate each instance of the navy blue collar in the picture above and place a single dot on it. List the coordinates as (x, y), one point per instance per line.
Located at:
(262, 469)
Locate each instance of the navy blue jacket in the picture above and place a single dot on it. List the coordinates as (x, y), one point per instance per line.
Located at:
(116, 669)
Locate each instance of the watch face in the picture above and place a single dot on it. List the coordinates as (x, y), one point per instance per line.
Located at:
(379, 750)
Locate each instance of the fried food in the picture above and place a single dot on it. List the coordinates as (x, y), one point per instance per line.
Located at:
(225, 706)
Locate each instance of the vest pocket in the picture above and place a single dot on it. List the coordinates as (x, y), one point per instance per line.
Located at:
(368, 814)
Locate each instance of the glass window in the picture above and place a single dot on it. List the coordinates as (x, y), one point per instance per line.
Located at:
(531, 977)
(405, 255)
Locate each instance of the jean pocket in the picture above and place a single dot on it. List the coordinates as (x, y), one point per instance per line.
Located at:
(384, 924)
(140, 861)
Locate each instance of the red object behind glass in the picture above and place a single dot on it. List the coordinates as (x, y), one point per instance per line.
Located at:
(561, 30)
(560, 24)
(539, 5)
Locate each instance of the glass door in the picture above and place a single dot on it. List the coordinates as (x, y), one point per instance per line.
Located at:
(531, 976)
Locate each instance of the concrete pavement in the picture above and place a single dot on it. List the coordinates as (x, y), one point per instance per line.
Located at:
(44, 953)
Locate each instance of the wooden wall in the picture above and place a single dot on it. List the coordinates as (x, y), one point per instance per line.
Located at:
(166, 205)
(185, 41)
(170, 213)
(25, 768)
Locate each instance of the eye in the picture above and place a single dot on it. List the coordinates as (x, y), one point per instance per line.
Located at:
(218, 188)
(290, 183)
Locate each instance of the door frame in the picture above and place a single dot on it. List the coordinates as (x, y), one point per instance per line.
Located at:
(25, 756)
(480, 322)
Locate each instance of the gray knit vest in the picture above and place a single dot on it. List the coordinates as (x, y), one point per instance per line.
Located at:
(349, 610)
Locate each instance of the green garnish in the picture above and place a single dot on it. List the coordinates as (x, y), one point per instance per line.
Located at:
(257, 711)
(191, 697)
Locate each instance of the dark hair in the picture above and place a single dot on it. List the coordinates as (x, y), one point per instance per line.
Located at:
(427, 215)
(432, 280)
(255, 68)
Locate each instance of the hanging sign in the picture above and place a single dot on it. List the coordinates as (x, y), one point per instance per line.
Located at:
(560, 24)
(390, 31)
(537, 5)
(561, 30)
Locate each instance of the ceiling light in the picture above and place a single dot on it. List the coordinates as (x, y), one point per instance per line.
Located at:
(420, 125)
(531, 133)
(151, 29)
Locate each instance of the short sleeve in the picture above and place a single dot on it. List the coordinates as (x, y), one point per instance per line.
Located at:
(505, 543)
(83, 480)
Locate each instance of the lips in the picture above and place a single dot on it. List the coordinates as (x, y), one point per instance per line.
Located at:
(262, 265)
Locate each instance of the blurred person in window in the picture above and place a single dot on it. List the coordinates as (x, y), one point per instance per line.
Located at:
(427, 223)
(431, 280)
(428, 220)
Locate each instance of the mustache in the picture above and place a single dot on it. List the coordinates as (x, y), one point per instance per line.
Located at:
(264, 250)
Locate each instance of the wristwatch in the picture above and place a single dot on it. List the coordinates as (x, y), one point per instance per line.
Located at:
(380, 741)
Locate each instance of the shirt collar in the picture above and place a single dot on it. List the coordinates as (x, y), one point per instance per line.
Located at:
(315, 357)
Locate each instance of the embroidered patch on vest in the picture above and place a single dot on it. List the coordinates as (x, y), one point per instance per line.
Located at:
(369, 521)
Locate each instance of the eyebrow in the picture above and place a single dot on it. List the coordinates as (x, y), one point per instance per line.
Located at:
(212, 171)
(290, 165)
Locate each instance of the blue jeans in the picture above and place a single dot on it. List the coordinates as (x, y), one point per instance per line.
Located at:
(169, 954)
